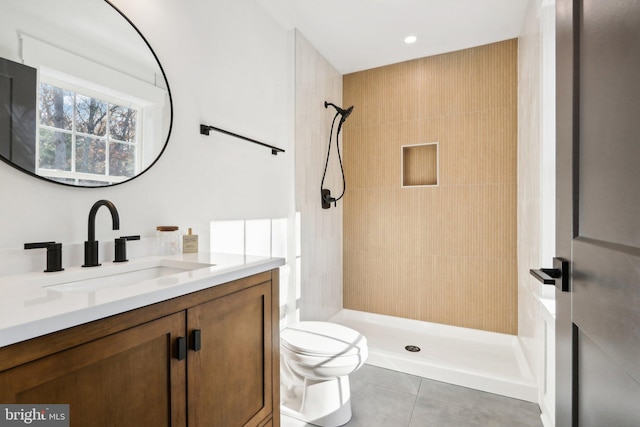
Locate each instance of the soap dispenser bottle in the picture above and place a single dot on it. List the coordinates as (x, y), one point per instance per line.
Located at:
(190, 243)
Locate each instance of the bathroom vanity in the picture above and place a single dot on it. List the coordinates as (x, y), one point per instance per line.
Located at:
(198, 347)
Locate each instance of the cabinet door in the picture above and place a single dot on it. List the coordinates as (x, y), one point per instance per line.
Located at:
(229, 377)
(130, 378)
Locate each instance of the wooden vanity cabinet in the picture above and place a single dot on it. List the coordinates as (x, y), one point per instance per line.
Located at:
(204, 359)
(116, 380)
(226, 381)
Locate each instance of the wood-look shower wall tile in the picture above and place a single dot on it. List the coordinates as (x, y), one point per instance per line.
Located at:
(447, 253)
(416, 225)
(500, 275)
(370, 228)
(374, 152)
(478, 147)
(386, 94)
(385, 282)
(487, 76)
(353, 91)
(497, 230)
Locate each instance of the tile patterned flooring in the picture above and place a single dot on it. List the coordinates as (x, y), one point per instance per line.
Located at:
(385, 398)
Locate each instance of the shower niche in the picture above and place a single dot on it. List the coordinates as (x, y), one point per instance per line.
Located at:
(419, 165)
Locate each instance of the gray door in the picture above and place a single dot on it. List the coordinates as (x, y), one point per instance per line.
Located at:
(598, 218)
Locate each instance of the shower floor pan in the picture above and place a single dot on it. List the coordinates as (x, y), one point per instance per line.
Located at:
(481, 360)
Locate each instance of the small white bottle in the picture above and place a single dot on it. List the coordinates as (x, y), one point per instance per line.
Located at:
(190, 243)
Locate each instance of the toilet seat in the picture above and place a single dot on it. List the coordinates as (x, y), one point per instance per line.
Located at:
(322, 339)
(324, 362)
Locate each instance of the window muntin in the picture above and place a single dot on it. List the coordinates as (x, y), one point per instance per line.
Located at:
(86, 140)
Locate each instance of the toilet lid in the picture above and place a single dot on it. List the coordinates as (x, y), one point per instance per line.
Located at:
(322, 338)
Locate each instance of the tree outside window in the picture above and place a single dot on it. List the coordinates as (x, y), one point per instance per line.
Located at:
(85, 140)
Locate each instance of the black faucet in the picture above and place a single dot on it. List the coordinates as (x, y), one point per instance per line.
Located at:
(91, 245)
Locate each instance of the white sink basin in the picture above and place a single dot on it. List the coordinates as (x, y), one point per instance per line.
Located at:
(115, 280)
(115, 275)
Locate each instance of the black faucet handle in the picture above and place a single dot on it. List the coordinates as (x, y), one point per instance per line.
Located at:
(54, 254)
(39, 245)
(121, 247)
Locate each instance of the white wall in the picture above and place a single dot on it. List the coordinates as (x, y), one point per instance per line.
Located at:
(320, 272)
(228, 64)
(92, 32)
(528, 179)
(536, 187)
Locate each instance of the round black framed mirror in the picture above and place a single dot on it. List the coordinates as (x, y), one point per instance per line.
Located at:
(84, 100)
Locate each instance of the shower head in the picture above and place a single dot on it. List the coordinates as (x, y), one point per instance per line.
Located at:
(344, 113)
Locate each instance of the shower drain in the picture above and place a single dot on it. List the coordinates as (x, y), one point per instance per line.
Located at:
(412, 348)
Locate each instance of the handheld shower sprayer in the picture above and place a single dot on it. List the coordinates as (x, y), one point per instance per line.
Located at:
(341, 111)
(325, 194)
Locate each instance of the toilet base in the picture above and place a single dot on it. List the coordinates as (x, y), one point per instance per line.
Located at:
(325, 403)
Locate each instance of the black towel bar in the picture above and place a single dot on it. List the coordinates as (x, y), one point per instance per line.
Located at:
(204, 130)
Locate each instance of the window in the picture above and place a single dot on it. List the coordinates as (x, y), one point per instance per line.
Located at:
(97, 125)
(84, 139)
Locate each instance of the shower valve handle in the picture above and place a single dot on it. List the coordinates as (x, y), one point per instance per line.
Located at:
(327, 199)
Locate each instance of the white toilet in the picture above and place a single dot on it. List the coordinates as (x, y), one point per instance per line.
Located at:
(316, 359)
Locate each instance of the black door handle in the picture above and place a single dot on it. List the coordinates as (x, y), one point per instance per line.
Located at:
(547, 276)
(550, 276)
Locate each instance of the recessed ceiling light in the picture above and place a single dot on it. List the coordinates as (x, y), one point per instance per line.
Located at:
(410, 39)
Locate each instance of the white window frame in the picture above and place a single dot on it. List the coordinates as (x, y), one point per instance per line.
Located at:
(77, 88)
(67, 70)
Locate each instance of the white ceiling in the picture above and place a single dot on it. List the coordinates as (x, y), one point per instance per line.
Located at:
(355, 35)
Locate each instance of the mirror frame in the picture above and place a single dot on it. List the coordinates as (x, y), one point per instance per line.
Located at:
(169, 129)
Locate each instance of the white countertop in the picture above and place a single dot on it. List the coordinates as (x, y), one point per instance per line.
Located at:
(28, 308)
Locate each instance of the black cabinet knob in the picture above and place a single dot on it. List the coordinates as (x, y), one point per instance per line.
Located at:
(181, 348)
(196, 340)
